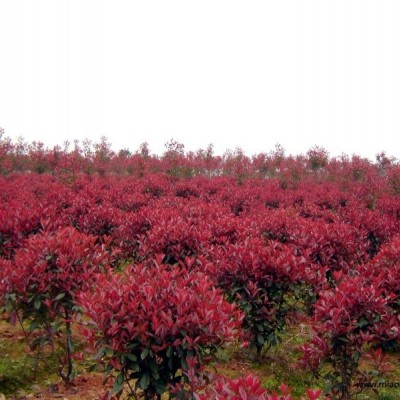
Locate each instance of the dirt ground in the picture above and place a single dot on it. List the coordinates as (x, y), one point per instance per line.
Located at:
(86, 386)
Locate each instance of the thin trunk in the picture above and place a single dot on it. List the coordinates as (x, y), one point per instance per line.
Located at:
(346, 378)
(259, 353)
(67, 377)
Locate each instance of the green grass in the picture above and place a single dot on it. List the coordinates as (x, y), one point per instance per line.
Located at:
(21, 369)
(281, 365)
(21, 372)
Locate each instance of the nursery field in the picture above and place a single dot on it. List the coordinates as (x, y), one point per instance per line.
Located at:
(193, 276)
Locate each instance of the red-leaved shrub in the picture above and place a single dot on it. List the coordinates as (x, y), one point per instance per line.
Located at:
(347, 318)
(42, 281)
(147, 321)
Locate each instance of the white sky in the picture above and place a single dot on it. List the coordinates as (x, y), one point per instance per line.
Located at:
(233, 73)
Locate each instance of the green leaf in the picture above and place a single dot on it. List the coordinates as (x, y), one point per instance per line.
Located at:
(170, 351)
(362, 323)
(145, 353)
(100, 353)
(184, 364)
(260, 339)
(161, 387)
(120, 379)
(92, 367)
(133, 345)
(131, 357)
(118, 385)
(60, 296)
(37, 304)
(144, 381)
(108, 369)
(12, 297)
(34, 325)
(154, 369)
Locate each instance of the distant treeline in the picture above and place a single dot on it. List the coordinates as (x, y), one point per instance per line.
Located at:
(97, 158)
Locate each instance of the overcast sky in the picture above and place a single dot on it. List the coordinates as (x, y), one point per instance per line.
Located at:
(233, 73)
